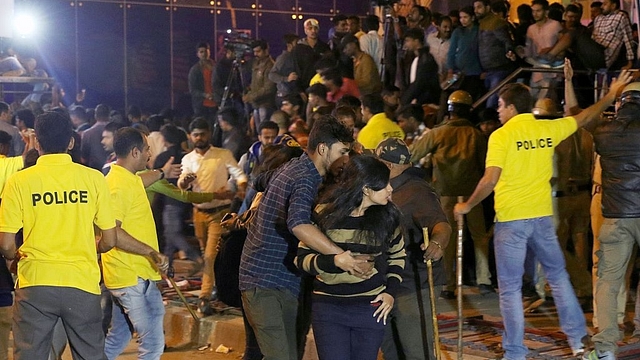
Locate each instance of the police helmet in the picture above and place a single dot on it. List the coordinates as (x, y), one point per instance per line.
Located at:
(459, 97)
(545, 108)
(630, 94)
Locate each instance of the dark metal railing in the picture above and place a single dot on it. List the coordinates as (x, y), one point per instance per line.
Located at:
(520, 70)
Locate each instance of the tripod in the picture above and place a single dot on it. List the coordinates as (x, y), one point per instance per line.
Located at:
(386, 62)
(235, 73)
(387, 26)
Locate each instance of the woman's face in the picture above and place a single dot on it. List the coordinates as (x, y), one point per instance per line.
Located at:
(379, 197)
(465, 19)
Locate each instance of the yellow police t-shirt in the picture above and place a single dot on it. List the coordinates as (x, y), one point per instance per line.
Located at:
(57, 202)
(8, 167)
(131, 207)
(378, 128)
(523, 148)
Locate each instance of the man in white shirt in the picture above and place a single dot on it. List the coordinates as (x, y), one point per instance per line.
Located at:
(372, 42)
(207, 169)
(439, 44)
(155, 138)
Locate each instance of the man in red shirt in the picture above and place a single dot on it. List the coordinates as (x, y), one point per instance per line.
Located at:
(338, 86)
(201, 84)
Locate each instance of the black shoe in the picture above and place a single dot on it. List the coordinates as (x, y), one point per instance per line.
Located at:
(204, 307)
(486, 289)
(447, 294)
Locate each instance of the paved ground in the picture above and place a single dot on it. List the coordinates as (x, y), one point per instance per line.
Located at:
(475, 305)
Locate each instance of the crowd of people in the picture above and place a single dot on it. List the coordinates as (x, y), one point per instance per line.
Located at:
(344, 165)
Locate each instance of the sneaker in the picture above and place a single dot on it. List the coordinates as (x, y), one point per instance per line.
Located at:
(204, 307)
(599, 355)
(531, 303)
(586, 343)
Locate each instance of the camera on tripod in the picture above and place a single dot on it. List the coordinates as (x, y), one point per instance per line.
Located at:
(383, 3)
(239, 42)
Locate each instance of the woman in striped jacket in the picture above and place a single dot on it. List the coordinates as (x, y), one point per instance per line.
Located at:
(349, 312)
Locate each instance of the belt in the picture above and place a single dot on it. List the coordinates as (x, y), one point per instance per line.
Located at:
(572, 191)
(214, 209)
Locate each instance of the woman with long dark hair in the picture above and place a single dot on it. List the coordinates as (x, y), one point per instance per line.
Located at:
(349, 312)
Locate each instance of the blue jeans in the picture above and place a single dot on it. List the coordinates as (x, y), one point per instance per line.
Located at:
(346, 331)
(142, 305)
(510, 242)
(491, 80)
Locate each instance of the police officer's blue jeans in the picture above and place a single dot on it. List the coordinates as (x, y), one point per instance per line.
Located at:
(510, 242)
(142, 304)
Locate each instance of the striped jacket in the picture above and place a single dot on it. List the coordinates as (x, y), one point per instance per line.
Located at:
(331, 281)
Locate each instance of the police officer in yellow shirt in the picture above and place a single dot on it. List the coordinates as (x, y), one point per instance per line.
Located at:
(519, 167)
(57, 203)
(132, 268)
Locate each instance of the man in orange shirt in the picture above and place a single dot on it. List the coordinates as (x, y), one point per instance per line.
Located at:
(201, 84)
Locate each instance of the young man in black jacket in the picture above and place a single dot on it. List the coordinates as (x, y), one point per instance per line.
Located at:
(422, 82)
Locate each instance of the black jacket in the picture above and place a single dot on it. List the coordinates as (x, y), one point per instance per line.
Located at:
(495, 42)
(196, 86)
(617, 143)
(426, 88)
(420, 207)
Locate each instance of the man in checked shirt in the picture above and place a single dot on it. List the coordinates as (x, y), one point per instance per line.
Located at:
(611, 29)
